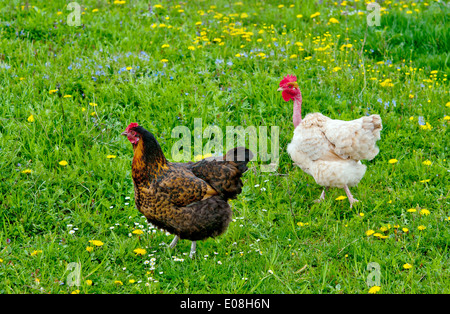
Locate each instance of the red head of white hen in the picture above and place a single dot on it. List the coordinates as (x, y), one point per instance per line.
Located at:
(289, 88)
(290, 91)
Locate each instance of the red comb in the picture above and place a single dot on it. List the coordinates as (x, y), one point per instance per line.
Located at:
(131, 125)
(288, 79)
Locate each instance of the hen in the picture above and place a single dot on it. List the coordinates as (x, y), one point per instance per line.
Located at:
(185, 199)
(330, 150)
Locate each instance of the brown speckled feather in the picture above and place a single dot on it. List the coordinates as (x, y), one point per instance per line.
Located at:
(188, 200)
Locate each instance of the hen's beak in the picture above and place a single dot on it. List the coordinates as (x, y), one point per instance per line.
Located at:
(279, 89)
(124, 133)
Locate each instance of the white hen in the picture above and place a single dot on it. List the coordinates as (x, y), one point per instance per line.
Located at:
(330, 150)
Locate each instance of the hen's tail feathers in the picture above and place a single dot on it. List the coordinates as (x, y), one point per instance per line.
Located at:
(372, 125)
(240, 156)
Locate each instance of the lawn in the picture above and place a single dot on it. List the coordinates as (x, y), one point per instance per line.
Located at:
(68, 223)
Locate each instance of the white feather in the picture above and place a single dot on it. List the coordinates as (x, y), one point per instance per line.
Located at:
(330, 150)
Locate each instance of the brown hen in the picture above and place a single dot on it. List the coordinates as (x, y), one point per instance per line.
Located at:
(188, 200)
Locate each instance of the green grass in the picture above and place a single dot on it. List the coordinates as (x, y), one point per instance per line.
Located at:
(280, 241)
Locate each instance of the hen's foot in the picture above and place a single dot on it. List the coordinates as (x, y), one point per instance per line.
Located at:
(174, 242)
(193, 246)
(322, 196)
(350, 197)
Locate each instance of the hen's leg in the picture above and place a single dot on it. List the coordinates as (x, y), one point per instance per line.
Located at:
(351, 199)
(322, 196)
(193, 246)
(174, 242)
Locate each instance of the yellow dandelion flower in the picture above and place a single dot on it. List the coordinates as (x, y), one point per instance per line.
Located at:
(336, 69)
(407, 266)
(111, 156)
(427, 162)
(293, 56)
(31, 118)
(369, 232)
(129, 68)
(96, 242)
(392, 161)
(299, 16)
(191, 48)
(405, 230)
(67, 96)
(426, 126)
(36, 252)
(139, 251)
(333, 21)
(421, 227)
(425, 181)
(88, 282)
(346, 46)
(52, 91)
(165, 46)
(374, 289)
(411, 96)
(138, 231)
(118, 282)
(200, 157)
(89, 249)
(411, 210)
(26, 171)
(164, 60)
(63, 163)
(95, 10)
(425, 212)
(314, 15)
(387, 83)
(93, 104)
(340, 198)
